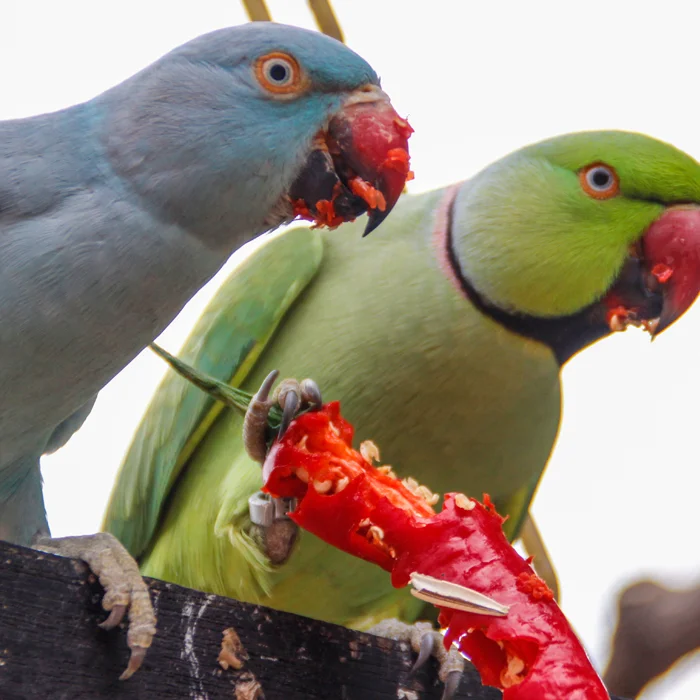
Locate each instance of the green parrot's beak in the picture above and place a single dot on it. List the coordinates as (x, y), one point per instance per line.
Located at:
(661, 278)
(672, 251)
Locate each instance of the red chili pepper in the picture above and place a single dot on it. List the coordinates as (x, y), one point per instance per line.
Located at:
(326, 215)
(403, 128)
(373, 197)
(398, 159)
(531, 653)
(662, 272)
(301, 209)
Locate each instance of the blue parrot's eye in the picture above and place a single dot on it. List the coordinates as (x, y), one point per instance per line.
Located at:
(599, 181)
(279, 73)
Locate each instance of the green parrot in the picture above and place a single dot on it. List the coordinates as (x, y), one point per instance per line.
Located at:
(444, 339)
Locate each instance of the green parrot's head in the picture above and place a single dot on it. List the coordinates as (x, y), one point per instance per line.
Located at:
(600, 227)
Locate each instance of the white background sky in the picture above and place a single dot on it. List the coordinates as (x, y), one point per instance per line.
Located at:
(477, 80)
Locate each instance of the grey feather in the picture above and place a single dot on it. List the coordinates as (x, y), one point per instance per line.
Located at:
(113, 213)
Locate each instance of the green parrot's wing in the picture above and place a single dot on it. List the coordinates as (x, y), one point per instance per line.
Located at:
(225, 343)
(520, 524)
(516, 506)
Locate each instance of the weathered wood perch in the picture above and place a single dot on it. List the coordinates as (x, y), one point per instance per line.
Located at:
(52, 649)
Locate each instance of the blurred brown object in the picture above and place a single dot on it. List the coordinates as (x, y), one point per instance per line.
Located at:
(257, 11)
(326, 19)
(322, 11)
(656, 627)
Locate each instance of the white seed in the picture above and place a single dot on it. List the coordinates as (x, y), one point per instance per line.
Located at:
(386, 469)
(617, 323)
(428, 496)
(369, 451)
(334, 427)
(461, 501)
(342, 483)
(411, 484)
(302, 474)
(510, 675)
(376, 531)
(301, 445)
(323, 486)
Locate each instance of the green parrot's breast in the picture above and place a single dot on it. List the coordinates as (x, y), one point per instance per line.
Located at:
(450, 398)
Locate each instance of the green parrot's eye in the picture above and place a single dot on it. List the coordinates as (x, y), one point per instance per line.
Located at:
(599, 181)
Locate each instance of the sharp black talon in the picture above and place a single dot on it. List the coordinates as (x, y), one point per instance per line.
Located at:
(291, 403)
(426, 651)
(311, 394)
(451, 685)
(263, 392)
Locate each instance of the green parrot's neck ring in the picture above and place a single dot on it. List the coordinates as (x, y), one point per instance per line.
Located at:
(565, 335)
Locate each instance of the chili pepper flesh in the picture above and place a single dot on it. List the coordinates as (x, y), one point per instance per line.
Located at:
(531, 653)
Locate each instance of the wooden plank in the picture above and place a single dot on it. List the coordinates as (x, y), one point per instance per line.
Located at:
(52, 649)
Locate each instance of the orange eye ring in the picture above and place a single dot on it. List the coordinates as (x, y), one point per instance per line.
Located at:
(279, 73)
(599, 181)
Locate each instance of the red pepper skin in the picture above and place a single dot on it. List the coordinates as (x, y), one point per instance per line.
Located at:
(321, 442)
(468, 547)
(463, 544)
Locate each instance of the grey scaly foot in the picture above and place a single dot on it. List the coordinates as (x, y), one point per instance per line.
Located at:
(124, 588)
(291, 396)
(272, 528)
(426, 642)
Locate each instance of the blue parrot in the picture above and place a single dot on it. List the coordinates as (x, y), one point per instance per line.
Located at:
(113, 213)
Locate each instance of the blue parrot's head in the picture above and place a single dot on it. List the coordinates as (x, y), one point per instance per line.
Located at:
(257, 124)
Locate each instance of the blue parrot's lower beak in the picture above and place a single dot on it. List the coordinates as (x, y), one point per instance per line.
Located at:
(359, 164)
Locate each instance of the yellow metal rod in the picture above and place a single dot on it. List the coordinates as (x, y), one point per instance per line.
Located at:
(326, 19)
(257, 10)
(534, 545)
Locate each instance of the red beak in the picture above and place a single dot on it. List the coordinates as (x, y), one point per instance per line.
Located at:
(672, 255)
(372, 141)
(360, 164)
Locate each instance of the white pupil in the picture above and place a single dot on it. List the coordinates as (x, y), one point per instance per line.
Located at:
(278, 72)
(599, 178)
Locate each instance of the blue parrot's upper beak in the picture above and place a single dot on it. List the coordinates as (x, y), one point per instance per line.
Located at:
(359, 164)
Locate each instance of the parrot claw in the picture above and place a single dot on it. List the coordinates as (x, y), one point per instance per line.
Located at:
(425, 651)
(311, 394)
(452, 684)
(292, 397)
(426, 642)
(289, 409)
(124, 588)
(115, 618)
(255, 420)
